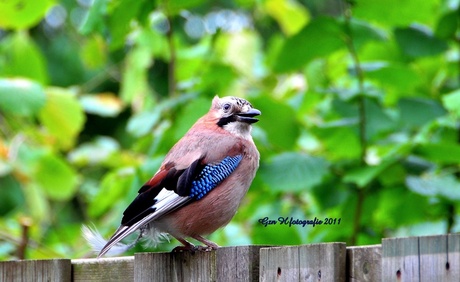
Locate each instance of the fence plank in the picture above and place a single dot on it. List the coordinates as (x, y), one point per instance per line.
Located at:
(226, 264)
(315, 262)
(200, 266)
(238, 263)
(400, 259)
(427, 258)
(453, 256)
(35, 270)
(364, 263)
(104, 269)
(433, 258)
(437, 253)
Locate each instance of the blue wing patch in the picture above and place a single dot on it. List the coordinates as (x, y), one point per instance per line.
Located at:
(212, 175)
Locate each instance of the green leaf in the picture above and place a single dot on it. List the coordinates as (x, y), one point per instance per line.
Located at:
(113, 186)
(94, 20)
(55, 177)
(416, 41)
(37, 206)
(293, 172)
(431, 184)
(22, 14)
(24, 58)
(94, 153)
(239, 50)
(451, 102)
(321, 37)
(401, 77)
(415, 112)
(173, 7)
(278, 120)
(362, 176)
(142, 123)
(444, 153)
(62, 116)
(103, 104)
(377, 120)
(290, 15)
(21, 97)
(395, 12)
(93, 52)
(189, 115)
(340, 141)
(120, 19)
(447, 25)
(64, 65)
(217, 78)
(364, 32)
(389, 212)
(134, 82)
(11, 196)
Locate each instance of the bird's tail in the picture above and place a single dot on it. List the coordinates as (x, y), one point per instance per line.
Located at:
(97, 242)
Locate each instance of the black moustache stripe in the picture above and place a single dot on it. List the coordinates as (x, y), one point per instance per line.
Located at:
(226, 120)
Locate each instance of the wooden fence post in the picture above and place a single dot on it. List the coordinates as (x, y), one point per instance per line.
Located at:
(104, 269)
(36, 270)
(314, 262)
(453, 255)
(364, 263)
(428, 258)
(184, 266)
(226, 264)
(238, 264)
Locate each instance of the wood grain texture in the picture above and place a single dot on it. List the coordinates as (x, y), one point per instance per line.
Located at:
(106, 269)
(453, 257)
(35, 270)
(238, 263)
(364, 263)
(226, 264)
(314, 262)
(427, 258)
(200, 266)
(439, 258)
(400, 259)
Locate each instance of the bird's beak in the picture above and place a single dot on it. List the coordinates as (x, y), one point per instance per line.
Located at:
(248, 116)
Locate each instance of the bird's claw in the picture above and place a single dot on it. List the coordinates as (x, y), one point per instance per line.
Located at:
(192, 249)
(204, 248)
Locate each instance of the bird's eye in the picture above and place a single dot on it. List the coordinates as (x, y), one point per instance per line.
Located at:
(226, 107)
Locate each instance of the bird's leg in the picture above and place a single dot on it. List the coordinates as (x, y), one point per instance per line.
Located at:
(209, 244)
(187, 246)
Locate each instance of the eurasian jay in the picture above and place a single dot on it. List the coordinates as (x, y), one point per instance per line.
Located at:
(199, 185)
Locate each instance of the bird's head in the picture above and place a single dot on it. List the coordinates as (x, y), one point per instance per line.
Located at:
(234, 115)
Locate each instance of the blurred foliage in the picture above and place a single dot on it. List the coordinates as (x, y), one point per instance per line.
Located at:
(360, 106)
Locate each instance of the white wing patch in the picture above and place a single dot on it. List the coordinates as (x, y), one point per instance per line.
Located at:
(166, 202)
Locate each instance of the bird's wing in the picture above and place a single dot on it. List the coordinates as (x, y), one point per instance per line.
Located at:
(170, 189)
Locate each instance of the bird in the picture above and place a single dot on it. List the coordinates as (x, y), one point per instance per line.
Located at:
(199, 185)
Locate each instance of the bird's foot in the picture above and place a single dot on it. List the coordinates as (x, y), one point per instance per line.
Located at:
(210, 246)
(188, 248)
(205, 248)
(193, 249)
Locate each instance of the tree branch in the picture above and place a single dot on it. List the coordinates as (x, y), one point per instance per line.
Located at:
(172, 60)
(360, 192)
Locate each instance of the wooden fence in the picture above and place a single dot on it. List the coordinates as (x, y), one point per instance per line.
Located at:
(431, 258)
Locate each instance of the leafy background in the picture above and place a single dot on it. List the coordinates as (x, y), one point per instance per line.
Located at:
(360, 103)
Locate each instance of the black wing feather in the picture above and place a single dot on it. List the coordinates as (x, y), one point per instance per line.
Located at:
(180, 181)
